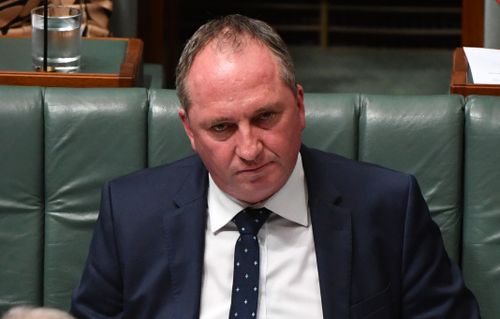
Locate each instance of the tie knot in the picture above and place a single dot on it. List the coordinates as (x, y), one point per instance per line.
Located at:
(250, 220)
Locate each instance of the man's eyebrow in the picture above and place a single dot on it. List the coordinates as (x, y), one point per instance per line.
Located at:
(266, 108)
(217, 120)
(222, 119)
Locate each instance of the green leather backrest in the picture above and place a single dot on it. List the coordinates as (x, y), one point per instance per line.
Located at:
(21, 192)
(332, 123)
(167, 140)
(420, 135)
(91, 136)
(481, 229)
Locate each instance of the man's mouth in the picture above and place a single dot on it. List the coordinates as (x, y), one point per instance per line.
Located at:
(254, 170)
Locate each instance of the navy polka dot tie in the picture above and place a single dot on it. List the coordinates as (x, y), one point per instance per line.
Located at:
(246, 264)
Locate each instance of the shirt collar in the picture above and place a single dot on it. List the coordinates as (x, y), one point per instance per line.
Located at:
(290, 202)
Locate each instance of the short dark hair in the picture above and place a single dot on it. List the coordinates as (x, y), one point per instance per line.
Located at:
(229, 30)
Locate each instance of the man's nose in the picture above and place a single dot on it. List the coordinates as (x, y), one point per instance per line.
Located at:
(249, 146)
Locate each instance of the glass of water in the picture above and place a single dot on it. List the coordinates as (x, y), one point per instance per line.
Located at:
(63, 38)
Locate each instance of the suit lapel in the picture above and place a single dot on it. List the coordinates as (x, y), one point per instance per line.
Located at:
(332, 237)
(185, 233)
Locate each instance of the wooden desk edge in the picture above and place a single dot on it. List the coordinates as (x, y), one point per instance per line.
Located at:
(459, 69)
(59, 79)
(128, 75)
(130, 72)
(459, 83)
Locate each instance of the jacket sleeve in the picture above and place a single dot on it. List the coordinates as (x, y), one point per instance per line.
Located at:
(432, 285)
(99, 293)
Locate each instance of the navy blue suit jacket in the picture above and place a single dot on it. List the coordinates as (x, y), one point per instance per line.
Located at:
(379, 254)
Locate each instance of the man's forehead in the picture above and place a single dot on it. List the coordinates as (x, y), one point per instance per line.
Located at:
(212, 65)
(229, 49)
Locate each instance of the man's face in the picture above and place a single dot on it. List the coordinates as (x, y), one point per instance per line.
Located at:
(243, 121)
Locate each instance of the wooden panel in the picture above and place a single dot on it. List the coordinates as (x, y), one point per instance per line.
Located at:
(173, 45)
(473, 23)
(158, 27)
(152, 29)
(131, 68)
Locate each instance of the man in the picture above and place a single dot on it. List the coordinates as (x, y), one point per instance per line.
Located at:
(337, 238)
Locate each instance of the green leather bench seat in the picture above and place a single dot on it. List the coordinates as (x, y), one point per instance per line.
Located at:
(333, 128)
(167, 141)
(60, 145)
(481, 225)
(21, 196)
(89, 135)
(421, 136)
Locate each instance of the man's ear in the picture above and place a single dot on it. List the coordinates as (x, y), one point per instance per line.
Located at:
(187, 127)
(300, 105)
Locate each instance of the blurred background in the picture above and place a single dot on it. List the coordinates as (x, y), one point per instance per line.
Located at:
(369, 46)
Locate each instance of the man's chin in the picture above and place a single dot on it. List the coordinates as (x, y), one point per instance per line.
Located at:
(254, 194)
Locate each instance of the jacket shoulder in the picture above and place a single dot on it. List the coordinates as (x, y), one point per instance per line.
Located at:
(343, 167)
(160, 181)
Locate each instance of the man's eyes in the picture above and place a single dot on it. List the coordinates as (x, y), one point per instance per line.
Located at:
(221, 127)
(266, 116)
(264, 120)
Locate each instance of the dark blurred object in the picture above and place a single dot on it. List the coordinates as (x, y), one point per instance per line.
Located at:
(27, 312)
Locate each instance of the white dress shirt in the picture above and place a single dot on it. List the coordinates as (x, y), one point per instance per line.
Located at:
(288, 280)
